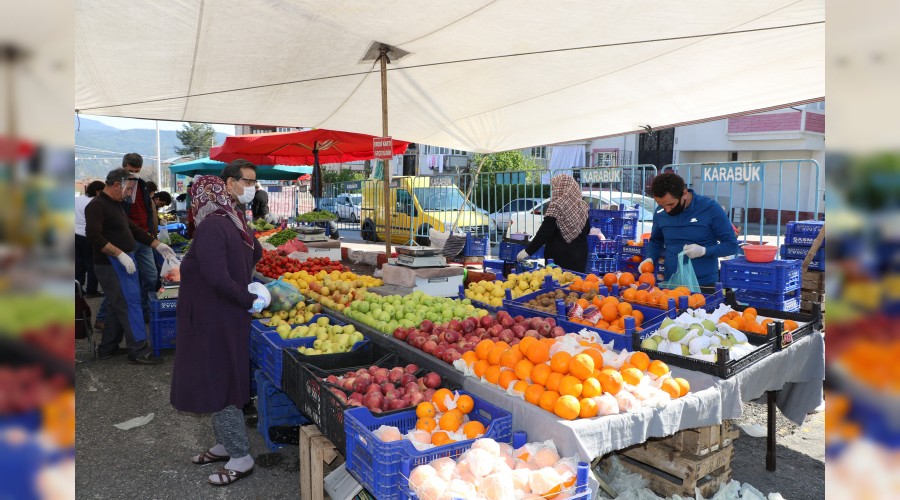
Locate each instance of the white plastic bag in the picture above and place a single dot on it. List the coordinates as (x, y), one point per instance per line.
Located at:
(171, 269)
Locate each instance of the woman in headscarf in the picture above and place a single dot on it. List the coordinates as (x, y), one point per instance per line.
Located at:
(211, 373)
(565, 228)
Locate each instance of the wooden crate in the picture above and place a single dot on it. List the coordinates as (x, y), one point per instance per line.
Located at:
(670, 472)
(702, 440)
(813, 281)
(318, 457)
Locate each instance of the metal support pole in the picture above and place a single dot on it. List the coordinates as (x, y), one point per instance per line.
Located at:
(386, 170)
(770, 436)
(159, 179)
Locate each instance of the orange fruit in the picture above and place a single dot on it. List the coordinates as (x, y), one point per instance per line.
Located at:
(560, 362)
(525, 343)
(609, 279)
(603, 325)
(591, 387)
(567, 407)
(553, 381)
(595, 355)
(473, 429)
(790, 325)
(483, 348)
(635, 258)
(632, 375)
(751, 310)
(450, 421)
(588, 408)
(646, 267)
(492, 375)
(481, 367)
(658, 368)
(538, 352)
(440, 438)
(683, 385)
(629, 294)
(626, 279)
(540, 373)
(593, 278)
(647, 278)
(609, 312)
(642, 296)
(582, 303)
(470, 358)
(671, 387)
(533, 393)
(439, 397)
(520, 386)
(495, 353)
(523, 369)
(570, 386)
(638, 317)
(640, 360)
(548, 400)
(510, 357)
(625, 365)
(506, 377)
(465, 403)
(425, 410)
(624, 309)
(426, 424)
(699, 300)
(609, 299)
(581, 366)
(611, 381)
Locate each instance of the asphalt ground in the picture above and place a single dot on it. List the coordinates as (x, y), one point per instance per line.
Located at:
(153, 461)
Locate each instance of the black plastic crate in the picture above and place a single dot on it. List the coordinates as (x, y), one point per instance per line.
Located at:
(293, 361)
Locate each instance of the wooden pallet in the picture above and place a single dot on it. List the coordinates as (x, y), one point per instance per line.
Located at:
(702, 440)
(670, 472)
(316, 452)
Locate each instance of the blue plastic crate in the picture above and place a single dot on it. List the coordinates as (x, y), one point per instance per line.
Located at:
(602, 248)
(791, 238)
(161, 305)
(376, 464)
(777, 277)
(788, 302)
(795, 252)
(270, 345)
(494, 266)
(163, 323)
(805, 227)
(579, 491)
(274, 409)
(615, 223)
(478, 303)
(602, 265)
(475, 246)
(652, 319)
(516, 307)
(30, 421)
(509, 251)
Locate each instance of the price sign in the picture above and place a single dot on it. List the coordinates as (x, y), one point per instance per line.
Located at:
(383, 148)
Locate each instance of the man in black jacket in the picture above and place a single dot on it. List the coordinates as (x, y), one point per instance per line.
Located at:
(260, 204)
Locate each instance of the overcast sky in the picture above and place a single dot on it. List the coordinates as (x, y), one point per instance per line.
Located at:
(129, 123)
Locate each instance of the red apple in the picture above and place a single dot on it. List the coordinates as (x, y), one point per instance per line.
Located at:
(486, 321)
(411, 368)
(429, 346)
(452, 337)
(433, 380)
(426, 326)
(557, 331)
(518, 331)
(439, 351)
(407, 379)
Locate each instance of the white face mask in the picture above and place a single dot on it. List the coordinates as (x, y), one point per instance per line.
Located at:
(247, 195)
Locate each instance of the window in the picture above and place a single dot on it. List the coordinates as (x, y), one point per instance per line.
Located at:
(734, 156)
(527, 204)
(509, 207)
(606, 158)
(539, 152)
(435, 150)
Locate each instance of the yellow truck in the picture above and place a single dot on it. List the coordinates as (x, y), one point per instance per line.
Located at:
(418, 204)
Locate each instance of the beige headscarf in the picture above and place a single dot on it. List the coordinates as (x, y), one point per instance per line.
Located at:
(567, 206)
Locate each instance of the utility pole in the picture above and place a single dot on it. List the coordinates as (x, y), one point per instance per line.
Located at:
(386, 169)
(159, 179)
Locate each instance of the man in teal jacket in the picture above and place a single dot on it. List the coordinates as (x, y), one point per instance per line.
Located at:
(690, 223)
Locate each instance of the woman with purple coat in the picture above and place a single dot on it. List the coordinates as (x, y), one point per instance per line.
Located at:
(211, 373)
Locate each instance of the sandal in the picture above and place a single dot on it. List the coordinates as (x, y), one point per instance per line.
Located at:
(208, 457)
(228, 476)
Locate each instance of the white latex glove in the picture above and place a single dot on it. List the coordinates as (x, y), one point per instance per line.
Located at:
(522, 256)
(127, 262)
(258, 305)
(166, 251)
(262, 294)
(693, 251)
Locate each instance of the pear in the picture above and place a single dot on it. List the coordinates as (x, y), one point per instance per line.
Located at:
(709, 324)
(676, 333)
(666, 322)
(649, 344)
(685, 350)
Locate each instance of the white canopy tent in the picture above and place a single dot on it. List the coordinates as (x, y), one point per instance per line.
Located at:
(480, 75)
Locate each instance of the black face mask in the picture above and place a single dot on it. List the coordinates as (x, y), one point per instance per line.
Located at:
(677, 209)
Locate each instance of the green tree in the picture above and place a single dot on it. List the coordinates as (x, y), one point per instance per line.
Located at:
(196, 139)
(332, 176)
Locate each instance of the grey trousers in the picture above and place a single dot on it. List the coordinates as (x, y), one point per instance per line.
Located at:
(228, 425)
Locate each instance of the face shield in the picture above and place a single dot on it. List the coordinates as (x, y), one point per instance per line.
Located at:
(129, 190)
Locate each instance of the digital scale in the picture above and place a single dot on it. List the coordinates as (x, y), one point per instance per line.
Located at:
(418, 257)
(311, 234)
(169, 290)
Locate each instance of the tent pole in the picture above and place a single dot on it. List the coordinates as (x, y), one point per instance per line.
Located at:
(386, 171)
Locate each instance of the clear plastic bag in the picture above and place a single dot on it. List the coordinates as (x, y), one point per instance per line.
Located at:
(284, 295)
(685, 275)
(163, 236)
(171, 270)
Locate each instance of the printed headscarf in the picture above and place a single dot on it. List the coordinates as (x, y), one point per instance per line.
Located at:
(209, 196)
(567, 206)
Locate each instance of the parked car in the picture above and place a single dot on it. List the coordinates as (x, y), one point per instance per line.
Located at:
(529, 222)
(347, 206)
(512, 209)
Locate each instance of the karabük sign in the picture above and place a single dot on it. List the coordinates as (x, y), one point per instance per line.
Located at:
(732, 173)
